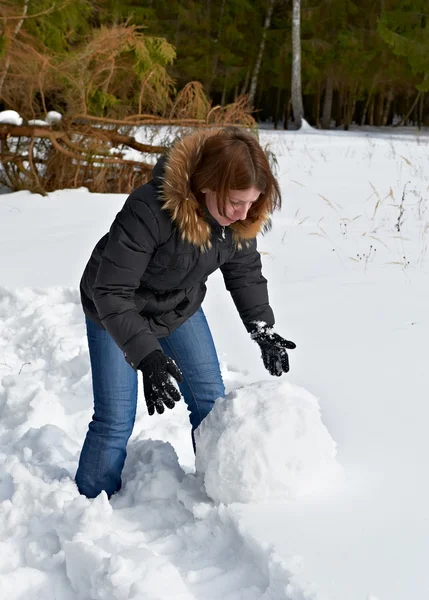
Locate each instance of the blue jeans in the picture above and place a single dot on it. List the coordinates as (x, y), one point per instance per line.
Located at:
(114, 385)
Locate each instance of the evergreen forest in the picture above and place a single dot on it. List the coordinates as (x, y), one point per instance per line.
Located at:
(362, 61)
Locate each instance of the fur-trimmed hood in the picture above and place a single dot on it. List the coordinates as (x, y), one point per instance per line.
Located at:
(182, 204)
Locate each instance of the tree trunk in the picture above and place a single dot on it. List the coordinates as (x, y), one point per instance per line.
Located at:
(365, 110)
(339, 108)
(255, 74)
(223, 99)
(351, 106)
(368, 101)
(422, 101)
(345, 110)
(297, 105)
(246, 83)
(371, 112)
(277, 111)
(379, 111)
(287, 113)
(207, 77)
(177, 32)
(347, 103)
(404, 120)
(327, 101)
(317, 107)
(215, 60)
(387, 106)
(15, 33)
(425, 113)
(115, 14)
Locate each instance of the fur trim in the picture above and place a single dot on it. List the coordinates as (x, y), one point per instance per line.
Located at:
(182, 204)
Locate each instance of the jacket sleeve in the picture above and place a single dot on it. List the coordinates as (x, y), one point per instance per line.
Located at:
(248, 287)
(133, 237)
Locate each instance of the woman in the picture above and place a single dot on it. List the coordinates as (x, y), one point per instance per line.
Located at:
(143, 287)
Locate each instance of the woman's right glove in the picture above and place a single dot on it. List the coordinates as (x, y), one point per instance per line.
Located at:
(157, 368)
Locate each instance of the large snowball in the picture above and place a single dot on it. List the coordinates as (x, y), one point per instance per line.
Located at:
(264, 441)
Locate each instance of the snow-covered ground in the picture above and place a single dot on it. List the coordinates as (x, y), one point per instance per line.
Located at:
(348, 273)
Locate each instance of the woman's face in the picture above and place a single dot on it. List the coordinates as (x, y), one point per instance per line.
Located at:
(237, 205)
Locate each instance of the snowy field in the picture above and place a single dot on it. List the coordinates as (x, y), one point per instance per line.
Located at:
(348, 270)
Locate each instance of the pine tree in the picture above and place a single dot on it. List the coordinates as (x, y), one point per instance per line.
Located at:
(115, 70)
(405, 28)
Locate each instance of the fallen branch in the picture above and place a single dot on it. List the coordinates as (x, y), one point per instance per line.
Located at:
(35, 131)
(88, 151)
(159, 121)
(76, 156)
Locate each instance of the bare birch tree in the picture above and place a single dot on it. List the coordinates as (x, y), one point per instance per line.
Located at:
(255, 74)
(297, 105)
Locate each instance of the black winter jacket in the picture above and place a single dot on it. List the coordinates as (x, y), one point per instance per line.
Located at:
(147, 275)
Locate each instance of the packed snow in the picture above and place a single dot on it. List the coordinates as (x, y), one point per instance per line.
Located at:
(53, 117)
(264, 442)
(261, 516)
(38, 122)
(10, 117)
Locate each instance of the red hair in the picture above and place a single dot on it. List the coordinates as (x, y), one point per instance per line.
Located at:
(233, 159)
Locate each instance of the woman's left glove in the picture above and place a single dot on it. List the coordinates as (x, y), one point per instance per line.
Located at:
(273, 348)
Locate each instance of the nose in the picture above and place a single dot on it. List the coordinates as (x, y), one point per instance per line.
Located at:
(242, 211)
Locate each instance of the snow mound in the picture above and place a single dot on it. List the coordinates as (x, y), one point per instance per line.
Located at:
(53, 117)
(306, 127)
(10, 117)
(38, 122)
(265, 441)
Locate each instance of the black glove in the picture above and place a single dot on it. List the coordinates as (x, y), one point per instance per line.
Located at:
(158, 389)
(273, 348)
